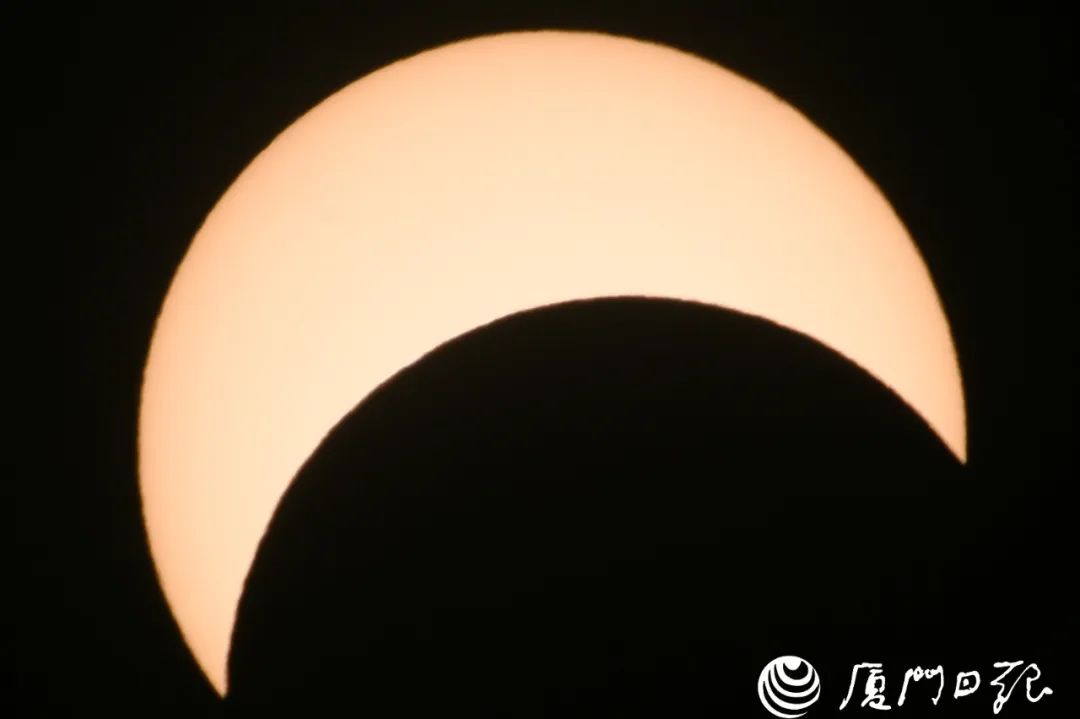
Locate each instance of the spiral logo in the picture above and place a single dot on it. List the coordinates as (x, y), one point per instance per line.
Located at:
(788, 686)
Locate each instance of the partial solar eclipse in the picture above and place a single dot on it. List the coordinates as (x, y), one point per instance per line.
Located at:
(467, 183)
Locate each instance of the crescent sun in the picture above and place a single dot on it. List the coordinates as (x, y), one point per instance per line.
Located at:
(467, 183)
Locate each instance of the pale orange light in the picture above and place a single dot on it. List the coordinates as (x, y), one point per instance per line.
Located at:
(467, 183)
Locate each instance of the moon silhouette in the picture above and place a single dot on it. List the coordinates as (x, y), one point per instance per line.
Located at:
(608, 507)
(465, 184)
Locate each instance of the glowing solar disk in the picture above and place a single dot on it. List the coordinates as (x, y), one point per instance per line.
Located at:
(469, 182)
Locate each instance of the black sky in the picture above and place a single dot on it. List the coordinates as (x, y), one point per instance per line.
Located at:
(130, 124)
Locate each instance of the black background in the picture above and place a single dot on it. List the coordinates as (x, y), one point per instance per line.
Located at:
(132, 123)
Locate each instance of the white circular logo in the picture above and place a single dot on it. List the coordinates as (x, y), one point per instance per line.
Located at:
(788, 686)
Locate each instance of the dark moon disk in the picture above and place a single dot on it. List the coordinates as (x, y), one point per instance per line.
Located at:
(620, 507)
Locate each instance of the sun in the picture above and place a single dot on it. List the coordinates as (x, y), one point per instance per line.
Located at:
(462, 185)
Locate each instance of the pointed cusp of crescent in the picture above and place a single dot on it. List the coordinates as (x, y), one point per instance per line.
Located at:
(467, 183)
